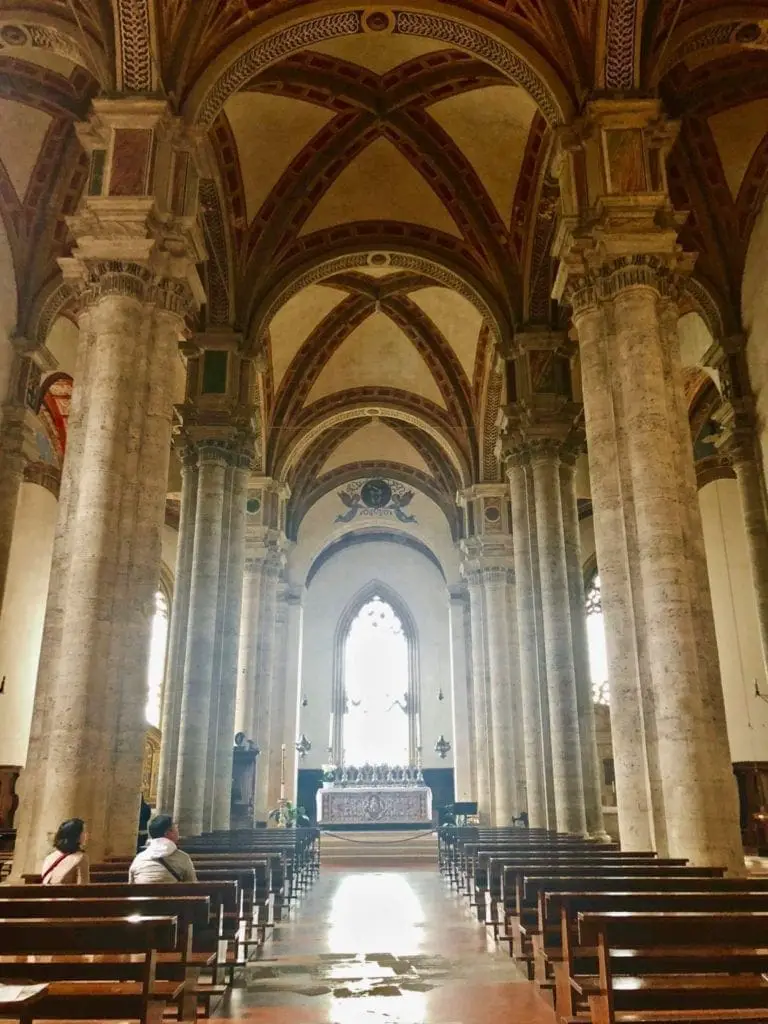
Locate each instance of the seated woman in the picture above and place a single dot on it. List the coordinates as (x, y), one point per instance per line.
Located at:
(68, 863)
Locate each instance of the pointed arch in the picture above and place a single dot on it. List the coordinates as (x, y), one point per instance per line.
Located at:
(375, 588)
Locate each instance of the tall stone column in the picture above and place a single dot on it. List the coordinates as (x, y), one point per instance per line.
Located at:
(291, 686)
(222, 789)
(753, 505)
(143, 514)
(620, 280)
(502, 655)
(496, 697)
(530, 685)
(199, 663)
(177, 637)
(463, 709)
(631, 732)
(278, 698)
(590, 762)
(480, 697)
(561, 681)
(265, 691)
(133, 298)
(218, 639)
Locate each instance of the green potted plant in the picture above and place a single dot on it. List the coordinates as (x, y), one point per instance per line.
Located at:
(328, 774)
(288, 815)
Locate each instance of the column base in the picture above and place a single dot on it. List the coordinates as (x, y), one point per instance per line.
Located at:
(600, 837)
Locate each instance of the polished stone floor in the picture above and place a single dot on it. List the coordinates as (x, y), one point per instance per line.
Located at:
(383, 947)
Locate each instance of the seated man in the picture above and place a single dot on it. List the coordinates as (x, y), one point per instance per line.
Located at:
(162, 860)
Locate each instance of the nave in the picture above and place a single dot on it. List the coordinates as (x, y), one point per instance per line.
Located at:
(384, 946)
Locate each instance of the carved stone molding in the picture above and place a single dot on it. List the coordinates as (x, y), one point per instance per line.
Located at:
(348, 23)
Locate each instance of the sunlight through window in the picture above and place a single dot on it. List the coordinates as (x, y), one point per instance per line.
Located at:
(598, 658)
(376, 682)
(157, 650)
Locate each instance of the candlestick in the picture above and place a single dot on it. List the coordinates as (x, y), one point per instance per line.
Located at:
(282, 772)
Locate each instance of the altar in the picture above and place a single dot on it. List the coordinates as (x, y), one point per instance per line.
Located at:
(379, 805)
(374, 795)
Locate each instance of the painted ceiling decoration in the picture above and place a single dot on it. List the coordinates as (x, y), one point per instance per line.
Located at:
(377, 206)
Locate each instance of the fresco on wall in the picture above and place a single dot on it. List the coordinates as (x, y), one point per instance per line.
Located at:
(376, 498)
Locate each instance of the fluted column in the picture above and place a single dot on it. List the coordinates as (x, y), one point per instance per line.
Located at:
(199, 662)
(590, 763)
(753, 505)
(561, 682)
(530, 686)
(222, 788)
(480, 697)
(177, 637)
(502, 649)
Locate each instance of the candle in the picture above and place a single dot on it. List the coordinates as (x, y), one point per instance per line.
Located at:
(282, 772)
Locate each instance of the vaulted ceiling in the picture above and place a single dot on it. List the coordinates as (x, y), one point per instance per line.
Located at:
(379, 211)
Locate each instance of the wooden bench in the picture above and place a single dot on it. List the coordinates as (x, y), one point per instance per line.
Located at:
(558, 954)
(520, 912)
(198, 944)
(142, 998)
(620, 993)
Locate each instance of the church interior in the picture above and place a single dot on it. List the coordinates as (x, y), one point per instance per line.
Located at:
(383, 445)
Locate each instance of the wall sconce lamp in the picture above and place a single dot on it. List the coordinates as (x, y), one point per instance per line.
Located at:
(304, 700)
(442, 747)
(762, 696)
(440, 694)
(303, 746)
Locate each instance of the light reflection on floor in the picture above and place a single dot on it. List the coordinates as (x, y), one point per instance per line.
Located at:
(382, 947)
(375, 912)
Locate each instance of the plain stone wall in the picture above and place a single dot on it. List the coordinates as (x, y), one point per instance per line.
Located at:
(423, 589)
(755, 320)
(21, 622)
(738, 636)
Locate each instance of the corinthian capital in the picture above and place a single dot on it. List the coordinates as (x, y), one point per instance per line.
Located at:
(136, 228)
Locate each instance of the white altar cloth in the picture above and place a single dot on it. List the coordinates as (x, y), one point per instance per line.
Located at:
(376, 805)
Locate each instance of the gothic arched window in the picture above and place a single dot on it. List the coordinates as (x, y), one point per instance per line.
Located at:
(598, 659)
(374, 706)
(157, 651)
(376, 683)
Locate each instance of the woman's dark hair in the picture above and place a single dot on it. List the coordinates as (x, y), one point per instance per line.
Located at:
(68, 835)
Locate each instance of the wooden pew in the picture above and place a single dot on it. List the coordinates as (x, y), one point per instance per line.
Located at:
(143, 999)
(557, 950)
(619, 994)
(522, 913)
(184, 964)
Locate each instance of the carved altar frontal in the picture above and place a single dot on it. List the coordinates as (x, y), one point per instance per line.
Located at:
(380, 805)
